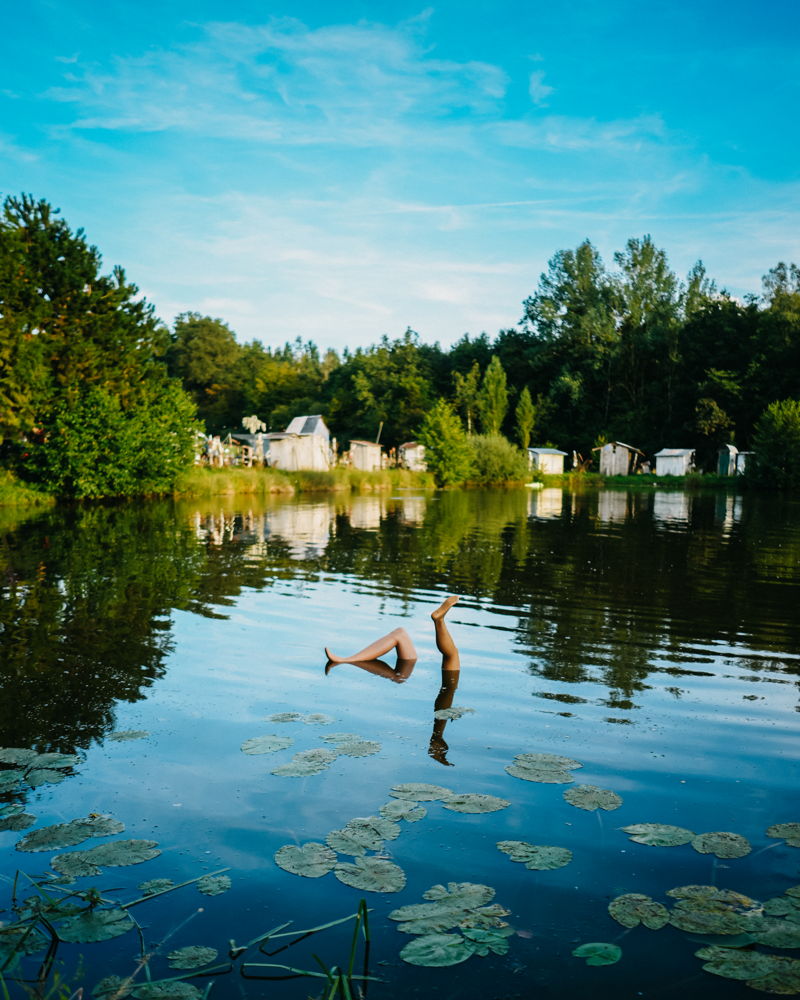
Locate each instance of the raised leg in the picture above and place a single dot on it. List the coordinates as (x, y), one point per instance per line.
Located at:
(444, 641)
(397, 639)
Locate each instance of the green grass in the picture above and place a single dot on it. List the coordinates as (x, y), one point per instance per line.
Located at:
(205, 482)
(13, 493)
(695, 480)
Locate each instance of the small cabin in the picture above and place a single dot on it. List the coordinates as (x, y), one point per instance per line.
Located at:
(674, 461)
(742, 458)
(365, 455)
(411, 455)
(296, 452)
(618, 459)
(726, 460)
(550, 461)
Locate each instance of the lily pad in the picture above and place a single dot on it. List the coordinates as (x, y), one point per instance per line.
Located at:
(658, 834)
(74, 865)
(371, 875)
(95, 925)
(10, 779)
(364, 833)
(17, 821)
(284, 717)
(420, 792)
(69, 834)
(154, 885)
(775, 933)
(450, 714)
(213, 885)
(169, 990)
(305, 763)
(317, 719)
(126, 735)
(405, 809)
(55, 760)
(482, 940)
(112, 986)
(790, 832)
(311, 860)
(266, 744)
(536, 857)
(191, 957)
(590, 797)
(473, 802)
(16, 755)
(20, 940)
(117, 854)
(459, 904)
(44, 776)
(723, 845)
(784, 979)
(437, 950)
(705, 921)
(735, 963)
(711, 896)
(540, 773)
(358, 747)
(634, 908)
(548, 760)
(598, 953)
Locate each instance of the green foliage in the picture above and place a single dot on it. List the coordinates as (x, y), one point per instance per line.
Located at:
(776, 443)
(467, 394)
(526, 417)
(493, 397)
(496, 460)
(448, 452)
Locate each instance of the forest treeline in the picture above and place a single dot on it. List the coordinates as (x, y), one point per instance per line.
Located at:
(90, 378)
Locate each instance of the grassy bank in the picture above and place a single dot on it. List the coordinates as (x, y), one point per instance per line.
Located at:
(13, 493)
(204, 482)
(694, 481)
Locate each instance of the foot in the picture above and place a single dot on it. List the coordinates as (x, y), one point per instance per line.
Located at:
(332, 658)
(443, 608)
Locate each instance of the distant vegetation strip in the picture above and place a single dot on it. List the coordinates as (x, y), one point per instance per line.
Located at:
(203, 482)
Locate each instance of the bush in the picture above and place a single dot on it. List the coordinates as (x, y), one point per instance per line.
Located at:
(776, 443)
(496, 460)
(448, 454)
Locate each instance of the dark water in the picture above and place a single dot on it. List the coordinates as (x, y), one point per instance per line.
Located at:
(652, 636)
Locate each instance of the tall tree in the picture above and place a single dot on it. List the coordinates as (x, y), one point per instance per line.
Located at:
(493, 399)
(467, 394)
(526, 416)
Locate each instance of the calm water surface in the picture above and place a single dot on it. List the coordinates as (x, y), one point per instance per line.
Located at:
(652, 636)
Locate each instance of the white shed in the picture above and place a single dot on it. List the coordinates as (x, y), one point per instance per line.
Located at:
(293, 452)
(365, 455)
(726, 460)
(411, 455)
(674, 461)
(547, 460)
(618, 459)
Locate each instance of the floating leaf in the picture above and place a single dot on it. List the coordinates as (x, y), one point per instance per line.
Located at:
(352, 745)
(55, 760)
(214, 885)
(95, 925)
(473, 802)
(451, 713)
(118, 854)
(311, 860)
(790, 832)
(482, 940)
(364, 833)
(284, 717)
(591, 797)
(463, 894)
(536, 857)
(544, 774)
(634, 908)
(784, 979)
(266, 744)
(44, 776)
(775, 933)
(191, 957)
(125, 735)
(112, 986)
(9, 780)
(170, 990)
(19, 940)
(437, 950)
(405, 809)
(723, 845)
(735, 963)
(712, 896)
(420, 792)
(305, 763)
(459, 904)
(17, 821)
(371, 875)
(598, 953)
(658, 834)
(16, 755)
(155, 885)
(551, 760)
(318, 719)
(705, 921)
(69, 834)
(74, 865)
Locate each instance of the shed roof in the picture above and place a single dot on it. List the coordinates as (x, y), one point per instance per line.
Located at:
(368, 444)
(618, 444)
(674, 452)
(308, 424)
(547, 451)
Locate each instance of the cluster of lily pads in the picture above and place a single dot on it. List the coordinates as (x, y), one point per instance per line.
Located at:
(27, 768)
(372, 873)
(308, 762)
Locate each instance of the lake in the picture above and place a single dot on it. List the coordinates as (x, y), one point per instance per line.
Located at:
(645, 643)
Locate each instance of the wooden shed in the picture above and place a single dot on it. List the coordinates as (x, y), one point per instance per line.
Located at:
(547, 460)
(293, 452)
(618, 459)
(365, 455)
(674, 461)
(411, 455)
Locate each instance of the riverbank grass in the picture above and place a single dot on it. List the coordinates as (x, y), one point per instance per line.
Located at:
(205, 482)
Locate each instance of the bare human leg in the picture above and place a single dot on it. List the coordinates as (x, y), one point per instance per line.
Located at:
(444, 641)
(397, 639)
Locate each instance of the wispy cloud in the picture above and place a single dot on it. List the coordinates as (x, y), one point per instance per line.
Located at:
(538, 89)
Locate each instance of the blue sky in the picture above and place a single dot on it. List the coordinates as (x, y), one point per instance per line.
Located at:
(341, 171)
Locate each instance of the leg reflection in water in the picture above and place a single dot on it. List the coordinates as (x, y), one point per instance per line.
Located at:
(398, 639)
